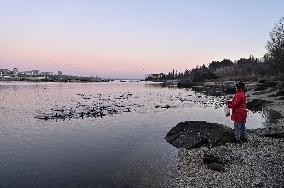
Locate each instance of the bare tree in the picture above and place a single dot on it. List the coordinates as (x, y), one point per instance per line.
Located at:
(275, 45)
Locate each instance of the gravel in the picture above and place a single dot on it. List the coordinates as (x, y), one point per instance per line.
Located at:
(256, 163)
(259, 162)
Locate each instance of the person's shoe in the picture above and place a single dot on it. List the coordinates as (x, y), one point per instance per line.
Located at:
(237, 141)
(244, 139)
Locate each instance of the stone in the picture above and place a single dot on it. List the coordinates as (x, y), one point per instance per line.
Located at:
(216, 167)
(280, 93)
(230, 90)
(265, 85)
(256, 104)
(220, 155)
(195, 134)
(275, 135)
(184, 84)
(273, 114)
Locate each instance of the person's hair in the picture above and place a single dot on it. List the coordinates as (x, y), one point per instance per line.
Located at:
(240, 85)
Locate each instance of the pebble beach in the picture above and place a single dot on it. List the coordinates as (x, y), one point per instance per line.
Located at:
(258, 162)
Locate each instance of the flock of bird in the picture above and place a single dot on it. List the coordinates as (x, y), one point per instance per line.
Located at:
(99, 105)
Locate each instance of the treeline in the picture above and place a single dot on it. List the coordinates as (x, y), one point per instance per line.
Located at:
(243, 69)
(271, 64)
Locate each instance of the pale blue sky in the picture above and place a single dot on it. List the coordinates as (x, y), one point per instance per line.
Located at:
(131, 38)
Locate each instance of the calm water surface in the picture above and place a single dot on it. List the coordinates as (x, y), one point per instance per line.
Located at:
(126, 149)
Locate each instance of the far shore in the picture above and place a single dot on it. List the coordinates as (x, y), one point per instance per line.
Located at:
(55, 78)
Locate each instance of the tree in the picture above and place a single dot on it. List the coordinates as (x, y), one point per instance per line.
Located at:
(186, 72)
(220, 64)
(275, 44)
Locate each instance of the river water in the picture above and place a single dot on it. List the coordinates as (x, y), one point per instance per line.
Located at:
(122, 149)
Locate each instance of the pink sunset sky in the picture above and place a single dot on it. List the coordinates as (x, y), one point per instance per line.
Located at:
(129, 39)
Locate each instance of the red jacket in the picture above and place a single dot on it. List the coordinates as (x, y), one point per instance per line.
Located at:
(238, 105)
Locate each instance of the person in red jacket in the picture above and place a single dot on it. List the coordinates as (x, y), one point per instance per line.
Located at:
(239, 112)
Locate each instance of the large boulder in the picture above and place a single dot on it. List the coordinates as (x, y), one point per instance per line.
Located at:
(275, 135)
(272, 115)
(277, 94)
(194, 134)
(263, 85)
(256, 104)
(221, 154)
(218, 158)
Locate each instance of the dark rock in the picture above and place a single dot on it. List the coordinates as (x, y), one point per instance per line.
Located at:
(208, 158)
(280, 93)
(216, 167)
(51, 116)
(277, 94)
(265, 85)
(275, 135)
(218, 158)
(259, 92)
(220, 155)
(259, 87)
(256, 104)
(230, 90)
(184, 84)
(194, 134)
(262, 81)
(272, 114)
(166, 106)
(259, 184)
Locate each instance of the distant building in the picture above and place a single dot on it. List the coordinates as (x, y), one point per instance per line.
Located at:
(30, 73)
(22, 73)
(5, 72)
(59, 73)
(25, 73)
(15, 71)
(35, 72)
(155, 76)
(46, 73)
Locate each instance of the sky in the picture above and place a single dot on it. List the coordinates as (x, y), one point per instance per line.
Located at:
(131, 38)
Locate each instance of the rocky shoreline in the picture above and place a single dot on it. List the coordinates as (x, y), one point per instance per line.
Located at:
(259, 162)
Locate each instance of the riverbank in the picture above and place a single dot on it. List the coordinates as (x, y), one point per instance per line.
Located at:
(258, 162)
(54, 78)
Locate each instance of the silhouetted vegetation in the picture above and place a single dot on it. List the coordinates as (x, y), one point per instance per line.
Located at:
(275, 45)
(270, 65)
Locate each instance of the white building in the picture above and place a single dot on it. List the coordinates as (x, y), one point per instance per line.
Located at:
(156, 76)
(47, 73)
(35, 72)
(5, 72)
(15, 71)
(30, 73)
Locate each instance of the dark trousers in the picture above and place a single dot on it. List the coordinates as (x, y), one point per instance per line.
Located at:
(240, 130)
